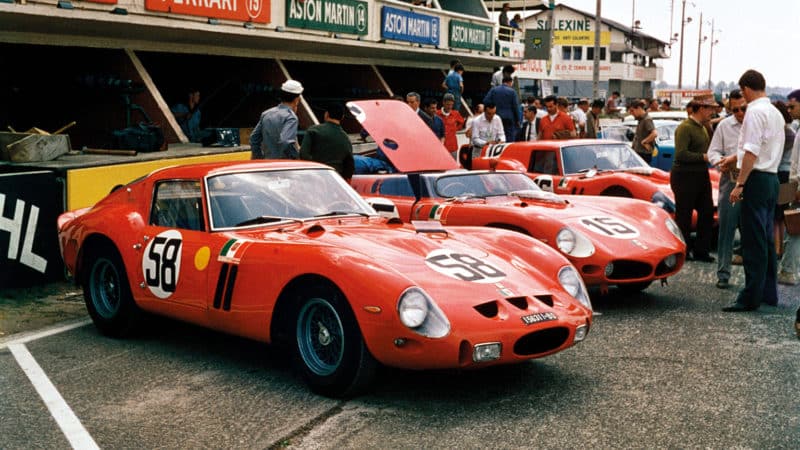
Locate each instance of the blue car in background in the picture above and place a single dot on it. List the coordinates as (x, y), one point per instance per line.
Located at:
(665, 142)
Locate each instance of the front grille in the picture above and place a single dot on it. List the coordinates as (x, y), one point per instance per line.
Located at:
(541, 341)
(662, 268)
(625, 270)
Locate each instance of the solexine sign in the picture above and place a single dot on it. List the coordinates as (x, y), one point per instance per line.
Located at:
(409, 26)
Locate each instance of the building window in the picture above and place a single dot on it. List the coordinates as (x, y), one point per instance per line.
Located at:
(590, 53)
(566, 52)
(616, 56)
(577, 53)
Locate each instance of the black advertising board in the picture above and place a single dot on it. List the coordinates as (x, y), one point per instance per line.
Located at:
(30, 203)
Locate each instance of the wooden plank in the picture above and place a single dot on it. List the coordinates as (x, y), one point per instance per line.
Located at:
(153, 90)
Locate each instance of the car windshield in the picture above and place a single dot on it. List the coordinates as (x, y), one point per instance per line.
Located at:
(581, 158)
(252, 198)
(617, 133)
(666, 132)
(483, 184)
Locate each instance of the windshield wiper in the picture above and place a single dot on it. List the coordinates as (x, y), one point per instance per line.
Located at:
(341, 213)
(260, 219)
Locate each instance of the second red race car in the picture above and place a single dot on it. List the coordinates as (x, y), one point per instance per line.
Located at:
(611, 241)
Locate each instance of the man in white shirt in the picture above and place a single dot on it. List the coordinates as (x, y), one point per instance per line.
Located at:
(487, 129)
(722, 154)
(760, 150)
(579, 117)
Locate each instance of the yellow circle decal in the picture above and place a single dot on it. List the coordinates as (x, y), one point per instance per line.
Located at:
(201, 258)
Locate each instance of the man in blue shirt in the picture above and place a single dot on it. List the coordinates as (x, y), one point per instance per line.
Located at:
(454, 84)
(428, 115)
(188, 115)
(275, 134)
(507, 101)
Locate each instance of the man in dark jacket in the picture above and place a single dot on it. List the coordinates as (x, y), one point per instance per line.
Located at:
(327, 143)
(507, 101)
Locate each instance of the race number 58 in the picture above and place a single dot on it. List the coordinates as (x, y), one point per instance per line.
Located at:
(161, 263)
(463, 266)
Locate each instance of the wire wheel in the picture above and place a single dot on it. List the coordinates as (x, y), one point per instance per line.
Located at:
(104, 287)
(320, 337)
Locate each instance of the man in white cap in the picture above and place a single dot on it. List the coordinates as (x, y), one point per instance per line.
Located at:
(275, 134)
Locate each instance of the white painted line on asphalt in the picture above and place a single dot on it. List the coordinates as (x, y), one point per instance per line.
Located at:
(69, 423)
(22, 338)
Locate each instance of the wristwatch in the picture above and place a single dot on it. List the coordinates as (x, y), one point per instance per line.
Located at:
(739, 185)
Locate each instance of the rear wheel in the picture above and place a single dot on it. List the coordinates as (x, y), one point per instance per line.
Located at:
(108, 295)
(330, 351)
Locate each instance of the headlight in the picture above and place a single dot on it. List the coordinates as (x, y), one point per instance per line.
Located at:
(661, 199)
(574, 243)
(674, 229)
(420, 313)
(572, 283)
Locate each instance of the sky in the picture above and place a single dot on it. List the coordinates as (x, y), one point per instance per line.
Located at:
(762, 35)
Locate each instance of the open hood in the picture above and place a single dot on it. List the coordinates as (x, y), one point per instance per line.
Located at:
(402, 136)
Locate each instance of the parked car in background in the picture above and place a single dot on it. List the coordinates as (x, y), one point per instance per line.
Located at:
(664, 144)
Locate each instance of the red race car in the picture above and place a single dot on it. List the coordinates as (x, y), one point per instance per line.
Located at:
(611, 241)
(287, 252)
(587, 167)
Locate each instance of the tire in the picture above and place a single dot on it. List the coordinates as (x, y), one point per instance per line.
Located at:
(632, 288)
(107, 294)
(329, 350)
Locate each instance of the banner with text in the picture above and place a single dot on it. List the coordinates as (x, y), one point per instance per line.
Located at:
(339, 16)
(242, 10)
(409, 26)
(580, 37)
(470, 36)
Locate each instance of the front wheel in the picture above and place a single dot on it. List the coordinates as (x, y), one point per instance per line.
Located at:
(108, 295)
(330, 351)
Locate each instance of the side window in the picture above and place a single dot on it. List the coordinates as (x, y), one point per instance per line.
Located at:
(566, 52)
(397, 186)
(177, 204)
(544, 162)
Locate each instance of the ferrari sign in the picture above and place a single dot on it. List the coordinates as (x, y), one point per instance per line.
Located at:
(243, 10)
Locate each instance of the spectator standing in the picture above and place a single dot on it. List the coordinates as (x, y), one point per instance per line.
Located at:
(556, 124)
(666, 105)
(783, 173)
(453, 121)
(759, 154)
(486, 129)
(507, 102)
(327, 143)
(428, 115)
(413, 100)
(188, 115)
(579, 116)
(515, 24)
(477, 110)
(454, 84)
(500, 74)
(275, 134)
(690, 181)
(593, 119)
(646, 133)
(790, 263)
(612, 105)
(722, 154)
(653, 106)
(505, 26)
(528, 130)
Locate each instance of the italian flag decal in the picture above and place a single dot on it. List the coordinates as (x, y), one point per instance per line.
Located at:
(233, 250)
(436, 212)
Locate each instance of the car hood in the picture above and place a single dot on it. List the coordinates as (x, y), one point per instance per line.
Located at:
(425, 257)
(402, 136)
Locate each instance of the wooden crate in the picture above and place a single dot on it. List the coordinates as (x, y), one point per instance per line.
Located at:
(29, 147)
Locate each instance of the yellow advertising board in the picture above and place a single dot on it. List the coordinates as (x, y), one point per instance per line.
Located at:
(87, 186)
(580, 38)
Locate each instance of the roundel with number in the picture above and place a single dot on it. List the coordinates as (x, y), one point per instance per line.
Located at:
(462, 266)
(161, 263)
(611, 227)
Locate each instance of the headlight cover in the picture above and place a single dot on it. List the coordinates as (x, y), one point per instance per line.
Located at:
(659, 198)
(572, 283)
(420, 314)
(574, 243)
(674, 229)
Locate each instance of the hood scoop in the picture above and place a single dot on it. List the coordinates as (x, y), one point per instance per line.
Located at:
(315, 230)
(428, 226)
(540, 196)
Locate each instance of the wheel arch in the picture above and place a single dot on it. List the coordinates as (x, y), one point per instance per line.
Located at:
(93, 244)
(508, 226)
(617, 191)
(286, 305)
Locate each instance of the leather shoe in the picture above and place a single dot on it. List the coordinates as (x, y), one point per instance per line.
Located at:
(723, 284)
(739, 308)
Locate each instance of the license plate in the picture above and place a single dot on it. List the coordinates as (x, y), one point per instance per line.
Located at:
(538, 317)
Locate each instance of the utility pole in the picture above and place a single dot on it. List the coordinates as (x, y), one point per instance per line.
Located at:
(700, 40)
(680, 59)
(711, 54)
(596, 59)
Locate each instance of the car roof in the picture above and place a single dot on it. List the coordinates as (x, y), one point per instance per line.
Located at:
(402, 136)
(215, 168)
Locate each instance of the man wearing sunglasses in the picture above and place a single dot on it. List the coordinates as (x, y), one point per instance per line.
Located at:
(722, 155)
(760, 150)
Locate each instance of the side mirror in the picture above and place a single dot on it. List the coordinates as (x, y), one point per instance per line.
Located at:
(384, 207)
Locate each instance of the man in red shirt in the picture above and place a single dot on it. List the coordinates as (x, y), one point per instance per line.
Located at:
(556, 124)
(453, 121)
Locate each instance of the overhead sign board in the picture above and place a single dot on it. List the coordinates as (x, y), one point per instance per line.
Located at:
(579, 37)
(241, 10)
(537, 44)
(470, 36)
(338, 16)
(409, 26)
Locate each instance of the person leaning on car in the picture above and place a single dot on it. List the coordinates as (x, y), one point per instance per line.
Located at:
(689, 178)
(327, 143)
(646, 133)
